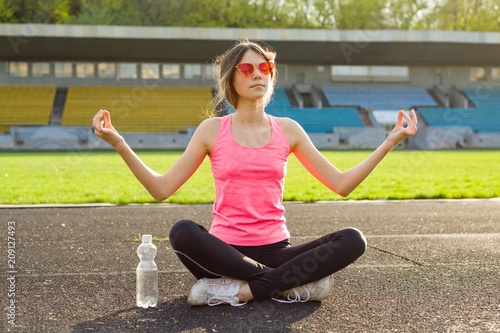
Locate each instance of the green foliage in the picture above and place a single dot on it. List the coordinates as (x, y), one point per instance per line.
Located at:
(404, 14)
(38, 11)
(6, 11)
(102, 177)
(107, 12)
(360, 14)
(477, 15)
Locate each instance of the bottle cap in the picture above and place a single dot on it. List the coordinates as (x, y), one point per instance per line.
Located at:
(147, 238)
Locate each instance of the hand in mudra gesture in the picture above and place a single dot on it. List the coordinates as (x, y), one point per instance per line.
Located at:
(104, 129)
(400, 132)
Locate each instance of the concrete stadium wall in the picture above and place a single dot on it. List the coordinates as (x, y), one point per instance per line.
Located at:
(326, 140)
(486, 140)
(445, 138)
(58, 138)
(361, 137)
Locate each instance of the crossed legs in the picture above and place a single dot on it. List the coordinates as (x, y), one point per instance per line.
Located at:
(268, 269)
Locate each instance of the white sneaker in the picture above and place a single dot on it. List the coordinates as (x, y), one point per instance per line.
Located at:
(314, 291)
(215, 292)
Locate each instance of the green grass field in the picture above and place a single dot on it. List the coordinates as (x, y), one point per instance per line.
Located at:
(97, 177)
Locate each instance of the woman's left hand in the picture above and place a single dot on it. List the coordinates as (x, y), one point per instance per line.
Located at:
(399, 133)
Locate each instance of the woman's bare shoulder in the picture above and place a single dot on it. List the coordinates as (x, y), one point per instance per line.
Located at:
(288, 124)
(210, 124)
(207, 131)
(212, 120)
(294, 131)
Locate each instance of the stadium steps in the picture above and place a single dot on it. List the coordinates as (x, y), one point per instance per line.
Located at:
(139, 109)
(58, 107)
(365, 117)
(293, 100)
(25, 105)
(434, 96)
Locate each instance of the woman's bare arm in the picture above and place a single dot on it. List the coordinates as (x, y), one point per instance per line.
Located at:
(343, 183)
(160, 186)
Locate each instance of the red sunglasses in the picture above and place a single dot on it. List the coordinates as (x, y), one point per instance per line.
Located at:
(246, 69)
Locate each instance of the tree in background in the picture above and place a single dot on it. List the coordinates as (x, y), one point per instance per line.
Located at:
(405, 14)
(36, 11)
(6, 11)
(468, 15)
(106, 12)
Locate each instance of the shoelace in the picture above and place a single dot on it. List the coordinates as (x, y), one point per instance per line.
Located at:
(297, 297)
(221, 293)
(217, 300)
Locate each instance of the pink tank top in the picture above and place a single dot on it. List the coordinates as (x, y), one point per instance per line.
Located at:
(249, 183)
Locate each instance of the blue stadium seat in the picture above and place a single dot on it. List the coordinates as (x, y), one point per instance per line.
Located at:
(320, 120)
(280, 99)
(479, 120)
(484, 98)
(484, 118)
(313, 120)
(380, 98)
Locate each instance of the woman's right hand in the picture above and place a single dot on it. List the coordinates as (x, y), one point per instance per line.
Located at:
(105, 130)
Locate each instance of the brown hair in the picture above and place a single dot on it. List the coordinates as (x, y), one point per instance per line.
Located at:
(224, 68)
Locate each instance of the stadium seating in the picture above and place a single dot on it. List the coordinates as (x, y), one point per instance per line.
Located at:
(139, 109)
(313, 120)
(378, 97)
(320, 120)
(479, 120)
(484, 118)
(484, 98)
(25, 105)
(280, 98)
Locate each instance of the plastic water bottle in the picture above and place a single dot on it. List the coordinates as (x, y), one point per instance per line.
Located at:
(147, 274)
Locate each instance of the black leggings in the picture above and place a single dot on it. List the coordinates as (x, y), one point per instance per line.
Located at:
(268, 269)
